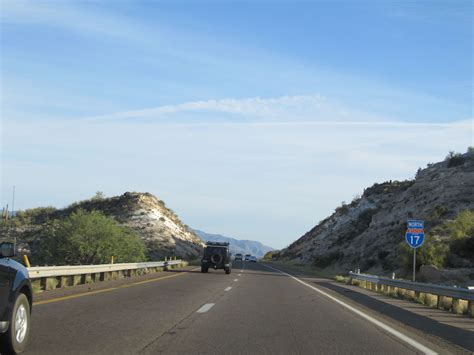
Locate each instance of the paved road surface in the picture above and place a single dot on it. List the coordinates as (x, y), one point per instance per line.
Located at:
(253, 310)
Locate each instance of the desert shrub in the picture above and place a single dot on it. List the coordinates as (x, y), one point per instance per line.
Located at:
(455, 159)
(432, 252)
(460, 227)
(343, 208)
(35, 215)
(268, 256)
(461, 232)
(99, 195)
(446, 245)
(438, 212)
(89, 238)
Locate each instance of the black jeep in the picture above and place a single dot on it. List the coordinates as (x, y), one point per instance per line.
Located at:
(216, 256)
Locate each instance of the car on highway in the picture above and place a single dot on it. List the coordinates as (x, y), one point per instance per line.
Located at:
(253, 259)
(247, 257)
(216, 256)
(238, 256)
(15, 302)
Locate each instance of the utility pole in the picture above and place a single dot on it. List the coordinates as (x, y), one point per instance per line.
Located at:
(13, 201)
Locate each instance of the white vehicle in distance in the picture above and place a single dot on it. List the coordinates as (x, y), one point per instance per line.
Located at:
(253, 259)
(238, 256)
(247, 257)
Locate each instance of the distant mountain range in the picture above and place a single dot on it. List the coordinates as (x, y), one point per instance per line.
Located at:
(236, 246)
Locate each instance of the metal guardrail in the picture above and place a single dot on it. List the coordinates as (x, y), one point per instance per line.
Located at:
(439, 290)
(57, 271)
(53, 277)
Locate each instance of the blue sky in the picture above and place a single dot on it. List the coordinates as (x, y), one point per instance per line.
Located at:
(251, 119)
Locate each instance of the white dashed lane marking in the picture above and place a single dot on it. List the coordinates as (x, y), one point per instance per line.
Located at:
(228, 288)
(236, 280)
(240, 274)
(205, 308)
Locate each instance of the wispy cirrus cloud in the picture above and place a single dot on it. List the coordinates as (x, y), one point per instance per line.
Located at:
(285, 110)
(254, 107)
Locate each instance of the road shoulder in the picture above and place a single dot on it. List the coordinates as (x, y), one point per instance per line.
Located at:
(441, 328)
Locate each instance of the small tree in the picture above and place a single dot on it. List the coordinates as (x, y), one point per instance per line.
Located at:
(455, 159)
(433, 252)
(90, 238)
(99, 195)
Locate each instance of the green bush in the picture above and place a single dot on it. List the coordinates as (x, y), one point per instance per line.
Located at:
(461, 231)
(89, 238)
(34, 215)
(455, 159)
(446, 242)
(268, 256)
(99, 196)
(461, 227)
(432, 252)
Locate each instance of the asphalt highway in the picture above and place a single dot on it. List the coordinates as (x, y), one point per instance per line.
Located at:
(254, 310)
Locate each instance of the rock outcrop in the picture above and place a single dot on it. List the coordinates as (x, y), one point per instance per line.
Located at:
(367, 233)
(159, 227)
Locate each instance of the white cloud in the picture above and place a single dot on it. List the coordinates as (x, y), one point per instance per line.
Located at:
(298, 109)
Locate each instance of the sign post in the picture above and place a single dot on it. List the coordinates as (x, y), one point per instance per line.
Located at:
(415, 236)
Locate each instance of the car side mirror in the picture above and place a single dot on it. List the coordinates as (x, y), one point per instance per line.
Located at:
(7, 250)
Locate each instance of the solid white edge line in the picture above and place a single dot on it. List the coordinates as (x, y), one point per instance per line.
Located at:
(205, 308)
(228, 288)
(378, 323)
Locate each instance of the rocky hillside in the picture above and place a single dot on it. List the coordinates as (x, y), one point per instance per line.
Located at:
(160, 228)
(369, 232)
(251, 247)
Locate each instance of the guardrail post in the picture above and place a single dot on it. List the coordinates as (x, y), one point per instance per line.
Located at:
(456, 306)
(439, 302)
(62, 281)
